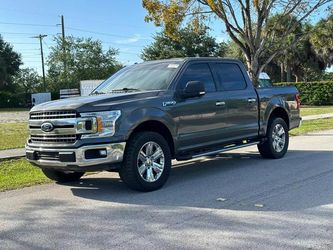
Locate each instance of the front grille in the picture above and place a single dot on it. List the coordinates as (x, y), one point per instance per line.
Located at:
(52, 115)
(53, 139)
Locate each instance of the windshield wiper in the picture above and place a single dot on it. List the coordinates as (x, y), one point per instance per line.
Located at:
(124, 90)
(97, 93)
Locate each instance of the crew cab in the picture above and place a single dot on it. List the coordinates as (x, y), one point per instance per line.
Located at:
(147, 114)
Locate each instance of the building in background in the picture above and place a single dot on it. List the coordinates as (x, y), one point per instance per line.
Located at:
(38, 98)
(87, 86)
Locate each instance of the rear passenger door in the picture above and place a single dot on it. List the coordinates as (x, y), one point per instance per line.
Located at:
(240, 116)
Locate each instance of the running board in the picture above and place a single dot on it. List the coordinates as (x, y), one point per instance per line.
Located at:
(214, 152)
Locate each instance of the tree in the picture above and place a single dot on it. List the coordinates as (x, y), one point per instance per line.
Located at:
(322, 39)
(10, 62)
(84, 58)
(189, 43)
(27, 81)
(244, 20)
(233, 51)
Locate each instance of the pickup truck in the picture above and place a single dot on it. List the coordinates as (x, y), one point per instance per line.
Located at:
(145, 115)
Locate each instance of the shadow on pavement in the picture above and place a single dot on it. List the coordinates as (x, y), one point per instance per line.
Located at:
(301, 180)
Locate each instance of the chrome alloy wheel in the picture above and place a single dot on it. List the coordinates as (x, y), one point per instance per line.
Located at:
(150, 161)
(279, 138)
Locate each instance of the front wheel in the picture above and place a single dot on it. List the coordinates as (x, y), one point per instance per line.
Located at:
(147, 162)
(61, 176)
(277, 140)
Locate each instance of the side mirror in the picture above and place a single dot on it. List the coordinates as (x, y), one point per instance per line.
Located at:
(193, 89)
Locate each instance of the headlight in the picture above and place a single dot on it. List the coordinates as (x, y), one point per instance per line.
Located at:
(102, 123)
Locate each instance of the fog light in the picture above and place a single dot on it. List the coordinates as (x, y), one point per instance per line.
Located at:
(102, 152)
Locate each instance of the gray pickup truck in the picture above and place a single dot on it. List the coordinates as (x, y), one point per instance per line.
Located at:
(147, 114)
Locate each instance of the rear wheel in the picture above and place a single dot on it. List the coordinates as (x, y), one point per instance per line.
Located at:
(147, 162)
(61, 176)
(277, 140)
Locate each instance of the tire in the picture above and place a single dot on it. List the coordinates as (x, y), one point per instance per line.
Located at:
(62, 177)
(140, 170)
(276, 143)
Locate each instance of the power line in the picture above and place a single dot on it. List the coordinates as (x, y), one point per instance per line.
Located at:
(101, 33)
(29, 24)
(21, 33)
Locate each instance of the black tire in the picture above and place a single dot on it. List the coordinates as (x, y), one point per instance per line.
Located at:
(62, 177)
(129, 171)
(267, 149)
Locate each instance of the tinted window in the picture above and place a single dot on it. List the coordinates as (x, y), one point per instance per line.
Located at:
(198, 72)
(229, 76)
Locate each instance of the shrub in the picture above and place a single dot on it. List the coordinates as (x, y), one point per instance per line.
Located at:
(313, 93)
(13, 100)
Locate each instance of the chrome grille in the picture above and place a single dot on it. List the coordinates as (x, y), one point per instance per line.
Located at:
(52, 115)
(53, 139)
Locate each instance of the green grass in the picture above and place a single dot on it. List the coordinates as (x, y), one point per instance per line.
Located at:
(19, 173)
(13, 109)
(313, 125)
(13, 135)
(316, 110)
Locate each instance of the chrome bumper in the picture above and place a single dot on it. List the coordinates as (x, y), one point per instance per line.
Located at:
(53, 157)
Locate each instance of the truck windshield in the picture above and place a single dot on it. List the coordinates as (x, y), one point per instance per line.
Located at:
(140, 77)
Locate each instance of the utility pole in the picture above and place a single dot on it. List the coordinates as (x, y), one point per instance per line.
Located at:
(40, 37)
(64, 45)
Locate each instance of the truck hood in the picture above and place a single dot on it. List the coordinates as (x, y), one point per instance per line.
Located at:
(94, 102)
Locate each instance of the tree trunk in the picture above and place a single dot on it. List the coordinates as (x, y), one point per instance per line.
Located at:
(253, 69)
(288, 73)
(282, 72)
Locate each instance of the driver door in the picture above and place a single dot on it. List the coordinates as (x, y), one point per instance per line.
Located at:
(198, 116)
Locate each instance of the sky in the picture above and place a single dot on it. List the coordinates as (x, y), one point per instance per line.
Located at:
(117, 23)
(121, 21)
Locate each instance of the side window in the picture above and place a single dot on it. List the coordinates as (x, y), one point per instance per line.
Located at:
(229, 76)
(198, 72)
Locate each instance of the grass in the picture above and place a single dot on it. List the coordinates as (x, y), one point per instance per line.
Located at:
(13, 135)
(316, 110)
(313, 125)
(13, 109)
(19, 173)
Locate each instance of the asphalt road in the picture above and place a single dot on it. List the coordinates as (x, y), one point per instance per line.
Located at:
(286, 203)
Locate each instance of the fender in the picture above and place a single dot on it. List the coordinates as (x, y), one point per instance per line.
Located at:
(141, 115)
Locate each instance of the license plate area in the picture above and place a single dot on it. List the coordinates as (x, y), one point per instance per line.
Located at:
(51, 156)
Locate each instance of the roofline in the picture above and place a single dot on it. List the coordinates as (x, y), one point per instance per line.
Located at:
(186, 59)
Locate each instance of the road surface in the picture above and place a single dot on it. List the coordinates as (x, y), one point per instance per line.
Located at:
(237, 200)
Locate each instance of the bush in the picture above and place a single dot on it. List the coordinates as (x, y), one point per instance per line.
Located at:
(13, 100)
(313, 93)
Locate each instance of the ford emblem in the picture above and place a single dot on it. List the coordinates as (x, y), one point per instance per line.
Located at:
(47, 127)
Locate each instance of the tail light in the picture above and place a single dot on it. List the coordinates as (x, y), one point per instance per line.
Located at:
(298, 101)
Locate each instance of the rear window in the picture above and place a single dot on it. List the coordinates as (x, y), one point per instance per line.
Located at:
(229, 76)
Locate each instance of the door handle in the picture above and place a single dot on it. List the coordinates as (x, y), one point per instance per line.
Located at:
(251, 100)
(220, 103)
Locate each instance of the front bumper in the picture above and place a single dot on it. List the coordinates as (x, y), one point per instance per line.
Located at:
(85, 158)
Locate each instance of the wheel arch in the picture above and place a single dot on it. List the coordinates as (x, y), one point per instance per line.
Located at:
(158, 127)
(278, 112)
